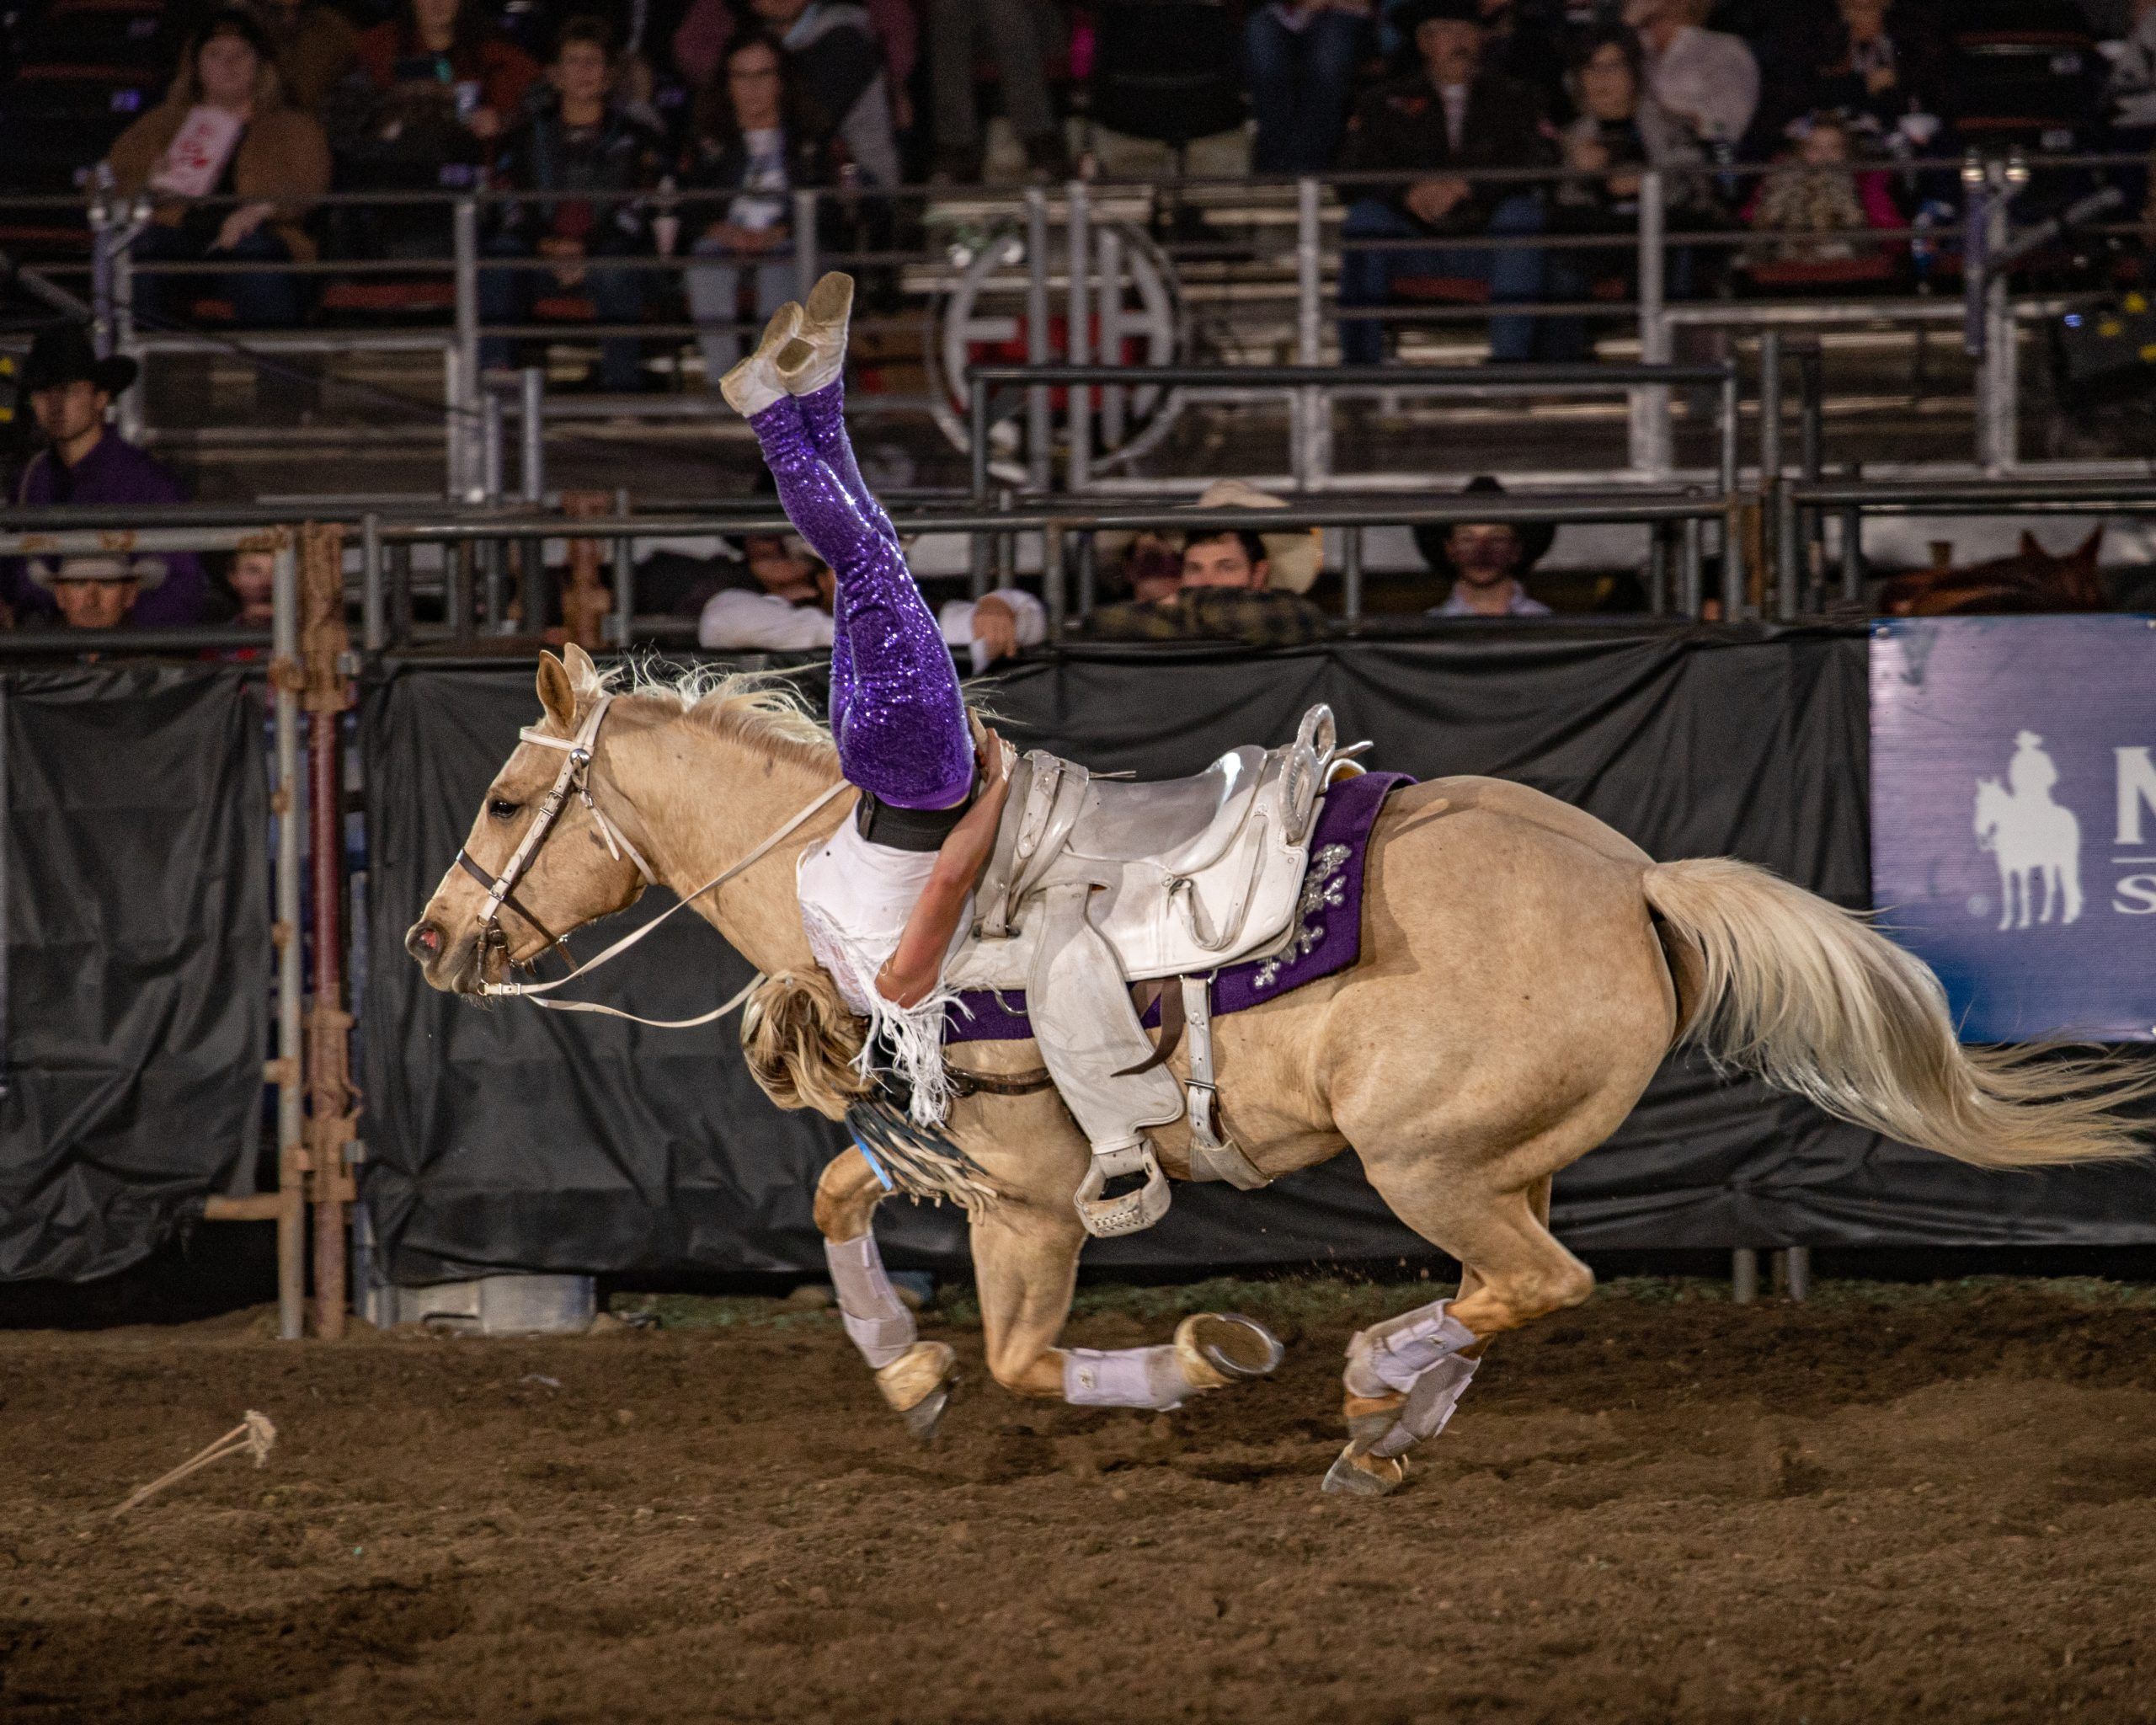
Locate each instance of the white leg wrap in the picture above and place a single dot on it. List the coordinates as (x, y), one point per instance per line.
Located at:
(1390, 1356)
(877, 1319)
(1124, 1377)
(1417, 1353)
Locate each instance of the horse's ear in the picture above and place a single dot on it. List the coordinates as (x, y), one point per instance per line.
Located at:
(583, 672)
(2030, 548)
(557, 692)
(2087, 550)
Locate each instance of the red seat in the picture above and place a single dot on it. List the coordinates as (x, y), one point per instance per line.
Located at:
(1825, 272)
(1442, 290)
(377, 296)
(564, 308)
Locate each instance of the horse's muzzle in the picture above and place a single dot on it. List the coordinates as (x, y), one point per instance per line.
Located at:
(452, 966)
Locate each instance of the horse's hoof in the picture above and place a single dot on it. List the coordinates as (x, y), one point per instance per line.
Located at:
(917, 1385)
(1354, 1474)
(923, 1417)
(1217, 1348)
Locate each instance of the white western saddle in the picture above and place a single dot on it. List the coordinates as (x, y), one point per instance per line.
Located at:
(1096, 885)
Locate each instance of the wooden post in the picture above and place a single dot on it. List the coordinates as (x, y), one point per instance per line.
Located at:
(325, 647)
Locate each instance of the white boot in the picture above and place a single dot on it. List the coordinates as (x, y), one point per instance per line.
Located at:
(816, 357)
(754, 385)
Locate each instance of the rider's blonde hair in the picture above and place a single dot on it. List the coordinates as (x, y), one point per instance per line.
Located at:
(802, 1045)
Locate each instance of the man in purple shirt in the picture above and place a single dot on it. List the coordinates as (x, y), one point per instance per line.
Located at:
(70, 391)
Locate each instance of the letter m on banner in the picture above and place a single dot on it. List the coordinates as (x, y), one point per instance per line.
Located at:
(2014, 817)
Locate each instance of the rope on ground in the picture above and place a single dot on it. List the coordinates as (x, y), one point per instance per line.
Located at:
(254, 1434)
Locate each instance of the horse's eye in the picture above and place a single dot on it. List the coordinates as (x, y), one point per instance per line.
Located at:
(502, 809)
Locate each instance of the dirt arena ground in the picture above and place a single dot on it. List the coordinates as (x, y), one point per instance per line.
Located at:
(1889, 1505)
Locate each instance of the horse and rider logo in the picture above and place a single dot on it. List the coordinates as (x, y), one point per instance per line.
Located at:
(2036, 842)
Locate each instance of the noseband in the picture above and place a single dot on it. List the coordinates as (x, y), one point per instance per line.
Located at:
(573, 779)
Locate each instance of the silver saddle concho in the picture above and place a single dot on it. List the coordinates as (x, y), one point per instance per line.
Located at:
(1096, 884)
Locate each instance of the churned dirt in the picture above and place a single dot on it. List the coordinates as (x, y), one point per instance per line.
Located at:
(1913, 1505)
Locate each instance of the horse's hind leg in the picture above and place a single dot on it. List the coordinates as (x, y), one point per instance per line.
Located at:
(1405, 1376)
(914, 1377)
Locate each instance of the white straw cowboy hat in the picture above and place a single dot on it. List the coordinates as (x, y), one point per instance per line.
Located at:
(147, 572)
(1295, 554)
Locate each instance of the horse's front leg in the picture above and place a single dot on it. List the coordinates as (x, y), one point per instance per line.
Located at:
(1025, 1254)
(914, 1377)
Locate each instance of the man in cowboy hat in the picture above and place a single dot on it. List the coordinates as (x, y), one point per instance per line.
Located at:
(70, 389)
(1487, 560)
(97, 592)
(1235, 586)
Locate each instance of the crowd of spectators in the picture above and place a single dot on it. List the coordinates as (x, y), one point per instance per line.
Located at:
(586, 104)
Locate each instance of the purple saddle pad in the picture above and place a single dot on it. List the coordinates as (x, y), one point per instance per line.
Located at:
(1328, 935)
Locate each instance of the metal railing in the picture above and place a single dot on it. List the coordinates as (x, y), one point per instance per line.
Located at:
(1027, 220)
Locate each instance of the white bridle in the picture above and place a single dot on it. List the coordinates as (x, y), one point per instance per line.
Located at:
(575, 778)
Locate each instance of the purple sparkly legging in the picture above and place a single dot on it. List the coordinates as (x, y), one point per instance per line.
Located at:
(896, 711)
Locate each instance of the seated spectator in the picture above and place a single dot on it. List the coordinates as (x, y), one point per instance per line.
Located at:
(1446, 116)
(1619, 131)
(433, 92)
(314, 45)
(70, 390)
(1233, 585)
(96, 592)
(2130, 89)
(1820, 193)
(1872, 65)
(1708, 83)
(839, 65)
(1019, 37)
(791, 612)
(1487, 560)
(574, 138)
(1303, 57)
(223, 132)
(755, 140)
(709, 25)
(250, 587)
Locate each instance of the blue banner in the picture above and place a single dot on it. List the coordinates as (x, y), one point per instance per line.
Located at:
(2014, 817)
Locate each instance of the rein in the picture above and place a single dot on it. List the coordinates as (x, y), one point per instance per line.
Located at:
(575, 778)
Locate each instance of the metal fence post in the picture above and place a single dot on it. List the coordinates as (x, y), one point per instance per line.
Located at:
(805, 258)
(1078, 348)
(1040, 434)
(1313, 419)
(1653, 453)
(1744, 1275)
(1688, 570)
(1853, 554)
(1777, 551)
(374, 600)
(531, 434)
(625, 578)
(1053, 592)
(491, 466)
(1999, 383)
(1732, 534)
(292, 1122)
(1351, 577)
(133, 413)
(464, 466)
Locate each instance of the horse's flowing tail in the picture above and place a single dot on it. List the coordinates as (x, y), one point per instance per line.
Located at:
(1812, 999)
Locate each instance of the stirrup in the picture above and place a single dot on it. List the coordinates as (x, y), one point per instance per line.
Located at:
(1134, 1211)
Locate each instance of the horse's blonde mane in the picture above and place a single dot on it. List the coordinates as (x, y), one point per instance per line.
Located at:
(762, 708)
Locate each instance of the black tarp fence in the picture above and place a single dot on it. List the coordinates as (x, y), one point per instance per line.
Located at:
(138, 959)
(511, 1139)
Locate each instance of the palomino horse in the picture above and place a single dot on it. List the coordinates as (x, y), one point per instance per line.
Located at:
(1524, 970)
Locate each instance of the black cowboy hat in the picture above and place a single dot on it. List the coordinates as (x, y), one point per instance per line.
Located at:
(1535, 537)
(62, 354)
(1414, 13)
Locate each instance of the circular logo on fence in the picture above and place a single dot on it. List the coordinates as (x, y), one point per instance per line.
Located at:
(1134, 318)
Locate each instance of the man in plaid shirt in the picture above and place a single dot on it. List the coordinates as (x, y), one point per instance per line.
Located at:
(1235, 586)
